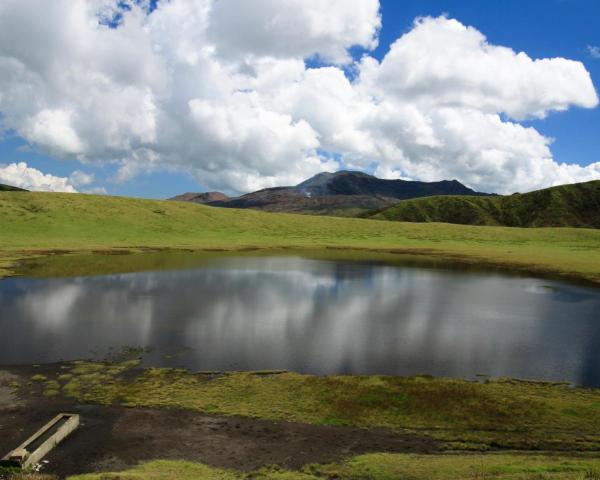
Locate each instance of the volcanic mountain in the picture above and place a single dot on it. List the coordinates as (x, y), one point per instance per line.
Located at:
(346, 193)
(205, 197)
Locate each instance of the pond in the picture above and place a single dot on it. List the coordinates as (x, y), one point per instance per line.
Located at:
(312, 316)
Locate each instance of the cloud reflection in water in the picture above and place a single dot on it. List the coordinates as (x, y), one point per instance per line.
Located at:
(312, 316)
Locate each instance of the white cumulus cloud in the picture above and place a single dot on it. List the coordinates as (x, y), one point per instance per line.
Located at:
(221, 89)
(294, 28)
(442, 62)
(20, 175)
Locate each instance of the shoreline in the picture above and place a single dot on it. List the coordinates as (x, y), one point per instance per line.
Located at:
(289, 419)
(12, 262)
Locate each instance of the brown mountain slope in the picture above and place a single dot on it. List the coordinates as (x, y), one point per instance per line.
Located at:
(344, 193)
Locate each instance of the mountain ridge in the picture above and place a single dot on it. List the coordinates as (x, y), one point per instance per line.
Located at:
(571, 205)
(342, 193)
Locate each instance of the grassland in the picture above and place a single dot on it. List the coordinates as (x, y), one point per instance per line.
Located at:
(576, 205)
(34, 224)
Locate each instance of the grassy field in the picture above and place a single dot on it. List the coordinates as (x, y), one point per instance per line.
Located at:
(41, 223)
(576, 205)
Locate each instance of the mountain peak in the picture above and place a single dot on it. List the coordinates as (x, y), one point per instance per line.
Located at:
(202, 197)
(351, 182)
(346, 192)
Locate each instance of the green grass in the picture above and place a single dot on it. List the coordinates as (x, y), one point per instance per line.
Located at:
(462, 415)
(166, 470)
(576, 205)
(380, 466)
(44, 223)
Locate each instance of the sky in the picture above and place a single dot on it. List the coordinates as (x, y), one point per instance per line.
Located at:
(155, 98)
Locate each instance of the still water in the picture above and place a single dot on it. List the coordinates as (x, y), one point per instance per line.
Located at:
(312, 316)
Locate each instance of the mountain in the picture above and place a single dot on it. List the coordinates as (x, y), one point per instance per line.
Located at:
(344, 193)
(359, 183)
(576, 205)
(205, 197)
(9, 188)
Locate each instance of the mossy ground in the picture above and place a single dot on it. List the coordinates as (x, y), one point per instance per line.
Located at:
(378, 466)
(46, 223)
(460, 414)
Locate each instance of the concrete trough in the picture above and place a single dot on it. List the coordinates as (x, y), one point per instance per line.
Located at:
(36, 447)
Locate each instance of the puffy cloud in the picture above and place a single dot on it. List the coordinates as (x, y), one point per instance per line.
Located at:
(441, 62)
(220, 89)
(20, 175)
(294, 28)
(53, 129)
(79, 178)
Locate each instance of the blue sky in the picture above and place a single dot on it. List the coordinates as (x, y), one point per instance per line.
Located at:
(541, 28)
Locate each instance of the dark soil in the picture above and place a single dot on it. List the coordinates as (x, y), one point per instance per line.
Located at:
(114, 438)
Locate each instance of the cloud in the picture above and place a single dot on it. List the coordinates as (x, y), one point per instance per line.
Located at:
(79, 178)
(96, 191)
(593, 51)
(294, 28)
(221, 90)
(442, 62)
(53, 129)
(20, 175)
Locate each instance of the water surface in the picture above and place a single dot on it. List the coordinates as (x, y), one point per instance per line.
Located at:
(313, 316)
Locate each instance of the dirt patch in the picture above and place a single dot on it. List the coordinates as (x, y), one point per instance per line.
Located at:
(8, 396)
(114, 438)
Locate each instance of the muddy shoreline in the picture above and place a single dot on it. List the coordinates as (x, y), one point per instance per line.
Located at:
(113, 438)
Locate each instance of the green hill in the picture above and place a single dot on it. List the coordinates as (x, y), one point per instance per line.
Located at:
(9, 188)
(576, 205)
(36, 223)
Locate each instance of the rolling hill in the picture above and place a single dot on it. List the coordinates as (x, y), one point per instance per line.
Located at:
(344, 193)
(9, 188)
(38, 223)
(576, 205)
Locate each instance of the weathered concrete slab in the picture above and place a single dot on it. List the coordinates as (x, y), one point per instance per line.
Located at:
(32, 450)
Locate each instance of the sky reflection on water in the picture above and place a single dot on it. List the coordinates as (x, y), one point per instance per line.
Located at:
(311, 316)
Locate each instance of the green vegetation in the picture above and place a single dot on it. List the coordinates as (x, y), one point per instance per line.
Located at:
(9, 188)
(576, 205)
(382, 466)
(460, 414)
(35, 224)
(375, 466)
